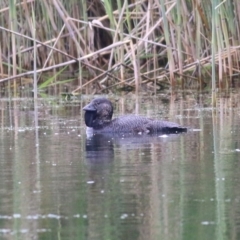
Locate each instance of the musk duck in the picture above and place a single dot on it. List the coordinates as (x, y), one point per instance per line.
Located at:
(98, 117)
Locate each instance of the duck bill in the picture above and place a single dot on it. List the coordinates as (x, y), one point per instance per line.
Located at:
(89, 107)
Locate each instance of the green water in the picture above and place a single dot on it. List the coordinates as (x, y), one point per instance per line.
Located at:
(56, 183)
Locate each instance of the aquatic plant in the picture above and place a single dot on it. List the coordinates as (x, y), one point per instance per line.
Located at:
(108, 44)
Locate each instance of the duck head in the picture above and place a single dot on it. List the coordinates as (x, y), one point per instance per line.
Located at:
(98, 112)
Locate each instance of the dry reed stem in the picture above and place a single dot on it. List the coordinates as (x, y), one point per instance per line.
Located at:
(96, 78)
(128, 36)
(203, 62)
(51, 51)
(39, 42)
(1, 64)
(6, 9)
(68, 62)
(13, 26)
(45, 44)
(71, 27)
(136, 68)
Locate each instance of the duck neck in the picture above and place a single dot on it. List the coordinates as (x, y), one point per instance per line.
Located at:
(100, 123)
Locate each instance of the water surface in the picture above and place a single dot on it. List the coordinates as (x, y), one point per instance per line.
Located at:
(57, 183)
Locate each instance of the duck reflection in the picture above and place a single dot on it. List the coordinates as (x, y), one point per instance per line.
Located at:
(100, 146)
(99, 149)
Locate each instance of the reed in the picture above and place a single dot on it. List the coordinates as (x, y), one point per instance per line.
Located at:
(215, 33)
(104, 44)
(13, 26)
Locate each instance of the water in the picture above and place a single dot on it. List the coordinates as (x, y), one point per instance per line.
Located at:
(57, 183)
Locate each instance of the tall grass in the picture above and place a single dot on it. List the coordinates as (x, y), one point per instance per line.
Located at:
(106, 44)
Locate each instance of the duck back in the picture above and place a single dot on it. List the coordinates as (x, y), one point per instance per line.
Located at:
(140, 124)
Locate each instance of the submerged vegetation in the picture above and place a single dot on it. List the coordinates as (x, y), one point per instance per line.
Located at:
(102, 45)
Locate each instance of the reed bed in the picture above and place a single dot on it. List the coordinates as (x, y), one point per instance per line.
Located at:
(103, 45)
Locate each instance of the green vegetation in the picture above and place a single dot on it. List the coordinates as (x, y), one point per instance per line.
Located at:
(120, 44)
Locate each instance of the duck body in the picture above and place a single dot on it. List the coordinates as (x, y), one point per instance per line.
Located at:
(98, 116)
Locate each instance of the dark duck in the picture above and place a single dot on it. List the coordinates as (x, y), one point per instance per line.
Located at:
(98, 116)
